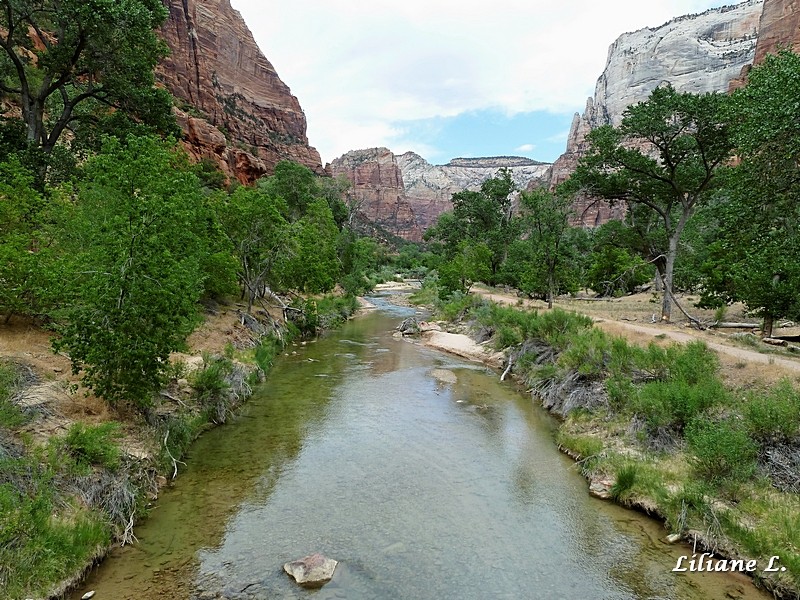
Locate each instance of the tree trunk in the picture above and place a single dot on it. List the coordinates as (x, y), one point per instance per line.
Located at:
(551, 287)
(666, 301)
(769, 321)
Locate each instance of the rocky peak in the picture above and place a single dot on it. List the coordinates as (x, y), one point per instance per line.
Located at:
(378, 187)
(695, 53)
(231, 104)
(405, 194)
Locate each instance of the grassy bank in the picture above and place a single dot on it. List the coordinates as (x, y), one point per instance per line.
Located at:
(66, 497)
(657, 428)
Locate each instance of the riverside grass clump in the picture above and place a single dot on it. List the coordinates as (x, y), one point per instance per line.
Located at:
(717, 464)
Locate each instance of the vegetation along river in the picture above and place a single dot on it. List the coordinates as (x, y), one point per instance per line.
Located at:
(358, 447)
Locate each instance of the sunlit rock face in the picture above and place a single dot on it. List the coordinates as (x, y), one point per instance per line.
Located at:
(695, 53)
(780, 27)
(231, 104)
(405, 194)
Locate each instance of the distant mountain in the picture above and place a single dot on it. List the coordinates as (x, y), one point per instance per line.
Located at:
(405, 194)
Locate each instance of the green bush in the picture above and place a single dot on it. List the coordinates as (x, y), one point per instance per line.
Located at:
(673, 404)
(210, 382)
(95, 444)
(625, 480)
(773, 415)
(721, 451)
(10, 415)
(588, 353)
(506, 337)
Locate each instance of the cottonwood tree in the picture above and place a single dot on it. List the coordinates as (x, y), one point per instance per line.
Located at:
(134, 241)
(254, 222)
(662, 161)
(755, 254)
(482, 217)
(58, 57)
(545, 218)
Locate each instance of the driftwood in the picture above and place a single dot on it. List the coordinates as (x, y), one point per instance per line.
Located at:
(725, 325)
(508, 367)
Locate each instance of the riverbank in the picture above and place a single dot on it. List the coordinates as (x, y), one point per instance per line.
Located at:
(76, 474)
(698, 455)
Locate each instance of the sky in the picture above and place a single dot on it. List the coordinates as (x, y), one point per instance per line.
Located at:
(446, 78)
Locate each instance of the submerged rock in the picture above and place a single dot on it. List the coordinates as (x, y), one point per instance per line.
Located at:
(314, 570)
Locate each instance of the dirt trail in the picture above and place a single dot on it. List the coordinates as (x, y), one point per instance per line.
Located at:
(761, 366)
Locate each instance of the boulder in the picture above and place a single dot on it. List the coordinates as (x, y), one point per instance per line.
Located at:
(314, 570)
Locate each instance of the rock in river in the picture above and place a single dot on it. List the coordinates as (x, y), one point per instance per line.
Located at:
(312, 571)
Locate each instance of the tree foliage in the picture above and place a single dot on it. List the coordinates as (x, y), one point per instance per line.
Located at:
(64, 60)
(755, 254)
(662, 161)
(134, 239)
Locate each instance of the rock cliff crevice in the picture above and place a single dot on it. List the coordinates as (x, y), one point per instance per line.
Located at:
(231, 104)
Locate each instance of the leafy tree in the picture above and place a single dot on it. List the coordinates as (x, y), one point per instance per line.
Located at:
(470, 263)
(483, 217)
(295, 184)
(21, 266)
(615, 268)
(254, 223)
(546, 221)
(755, 255)
(63, 59)
(662, 161)
(135, 239)
(312, 264)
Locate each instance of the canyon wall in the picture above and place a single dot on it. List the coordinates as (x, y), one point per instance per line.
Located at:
(695, 53)
(779, 27)
(405, 194)
(230, 102)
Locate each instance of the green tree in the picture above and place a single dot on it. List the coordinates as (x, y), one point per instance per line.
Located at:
(254, 223)
(470, 263)
(662, 161)
(135, 241)
(295, 184)
(483, 217)
(755, 254)
(62, 59)
(615, 268)
(312, 262)
(545, 223)
(22, 256)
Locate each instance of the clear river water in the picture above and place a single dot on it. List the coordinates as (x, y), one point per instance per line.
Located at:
(423, 474)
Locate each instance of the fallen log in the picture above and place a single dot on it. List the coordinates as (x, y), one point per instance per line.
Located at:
(775, 342)
(725, 325)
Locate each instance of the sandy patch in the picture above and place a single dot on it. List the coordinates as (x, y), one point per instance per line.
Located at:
(461, 345)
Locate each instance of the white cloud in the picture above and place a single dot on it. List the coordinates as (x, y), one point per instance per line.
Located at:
(525, 148)
(360, 69)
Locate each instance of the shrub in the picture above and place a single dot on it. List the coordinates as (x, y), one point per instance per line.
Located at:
(774, 415)
(588, 354)
(673, 404)
(10, 414)
(95, 444)
(625, 480)
(210, 383)
(506, 337)
(721, 451)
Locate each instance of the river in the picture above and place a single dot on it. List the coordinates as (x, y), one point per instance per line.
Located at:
(424, 475)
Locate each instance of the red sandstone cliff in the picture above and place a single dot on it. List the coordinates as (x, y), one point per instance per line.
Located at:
(231, 104)
(780, 26)
(378, 185)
